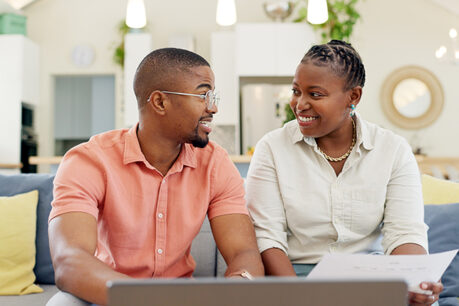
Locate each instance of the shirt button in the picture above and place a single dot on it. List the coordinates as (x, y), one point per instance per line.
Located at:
(164, 180)
(160, 251)
(160, 215)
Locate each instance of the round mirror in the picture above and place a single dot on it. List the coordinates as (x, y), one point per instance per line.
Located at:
(412, 97)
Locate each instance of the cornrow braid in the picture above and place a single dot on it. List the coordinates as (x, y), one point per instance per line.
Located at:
(342, 59)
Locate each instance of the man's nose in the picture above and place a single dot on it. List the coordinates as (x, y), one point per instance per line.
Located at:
(213, 109)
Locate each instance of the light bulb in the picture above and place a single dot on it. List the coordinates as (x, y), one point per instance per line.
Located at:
(452, 33)
(226, 12)
(440, 52)
(317, 11)
(135, 14)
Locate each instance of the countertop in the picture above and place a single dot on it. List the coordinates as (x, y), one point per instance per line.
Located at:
(10, 166)
(55, 160)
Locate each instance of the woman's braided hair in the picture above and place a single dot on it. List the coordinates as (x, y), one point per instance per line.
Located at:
(342, 59)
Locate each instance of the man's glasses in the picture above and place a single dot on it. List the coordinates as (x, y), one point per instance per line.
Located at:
(211, 97)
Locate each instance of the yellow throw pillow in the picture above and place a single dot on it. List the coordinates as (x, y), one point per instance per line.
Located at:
(438, 191)
(18, 217)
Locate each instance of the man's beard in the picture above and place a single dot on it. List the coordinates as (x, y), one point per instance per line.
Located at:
(197, 141)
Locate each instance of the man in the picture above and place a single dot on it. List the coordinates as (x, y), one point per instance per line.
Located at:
(128, 203)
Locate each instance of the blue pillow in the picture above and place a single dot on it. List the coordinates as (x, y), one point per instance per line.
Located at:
(443, 222)
(14, 184)
(448, 301)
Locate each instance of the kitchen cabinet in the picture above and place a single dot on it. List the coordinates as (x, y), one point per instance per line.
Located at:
(224, 66)
(19, 83)
(271, 49)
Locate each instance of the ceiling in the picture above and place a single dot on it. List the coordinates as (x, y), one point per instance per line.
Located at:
(11, 5)
(450, 5)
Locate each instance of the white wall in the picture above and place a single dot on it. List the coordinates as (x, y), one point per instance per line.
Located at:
(391, 34)
(397, 33)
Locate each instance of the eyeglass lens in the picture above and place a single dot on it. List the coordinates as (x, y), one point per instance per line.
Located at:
(211, 99)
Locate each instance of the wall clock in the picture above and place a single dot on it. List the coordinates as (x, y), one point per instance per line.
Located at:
(83, 55)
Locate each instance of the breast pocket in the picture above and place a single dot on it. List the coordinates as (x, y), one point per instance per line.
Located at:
(367, 209)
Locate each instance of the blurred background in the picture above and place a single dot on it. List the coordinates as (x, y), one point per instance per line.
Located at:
(66, 67)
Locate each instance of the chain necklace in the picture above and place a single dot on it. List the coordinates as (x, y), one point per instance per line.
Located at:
(345, 155)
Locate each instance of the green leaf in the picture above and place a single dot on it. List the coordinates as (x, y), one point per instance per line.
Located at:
(289, 115)
(342, 17)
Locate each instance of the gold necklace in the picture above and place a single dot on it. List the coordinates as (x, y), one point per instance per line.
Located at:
(345, 155)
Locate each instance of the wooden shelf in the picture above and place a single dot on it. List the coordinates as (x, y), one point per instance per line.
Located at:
(241, 158)
(10, 166)
(51, 160)
(446, 166)
(55, 160)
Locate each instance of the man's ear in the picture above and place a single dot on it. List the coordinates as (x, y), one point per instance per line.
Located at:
(157, 101)
(355, 95)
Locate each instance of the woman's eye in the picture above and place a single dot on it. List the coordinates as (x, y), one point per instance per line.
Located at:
(315, 94)
(295, 92)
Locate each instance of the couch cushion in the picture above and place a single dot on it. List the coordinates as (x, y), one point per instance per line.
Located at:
(14, 184)
(444, 236)
(438, 191)
(36, 299)
(204, 252)
(18, 215)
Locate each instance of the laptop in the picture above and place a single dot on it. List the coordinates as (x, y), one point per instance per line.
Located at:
(268, 291)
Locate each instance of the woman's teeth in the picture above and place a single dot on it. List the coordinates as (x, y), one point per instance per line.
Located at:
(306, 119)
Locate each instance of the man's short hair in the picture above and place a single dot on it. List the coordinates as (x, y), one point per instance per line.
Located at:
(158, 71)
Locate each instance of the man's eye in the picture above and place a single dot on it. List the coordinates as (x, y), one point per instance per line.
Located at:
(315, 94)
(295, 92)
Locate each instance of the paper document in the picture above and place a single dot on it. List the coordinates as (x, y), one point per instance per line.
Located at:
(414, 269)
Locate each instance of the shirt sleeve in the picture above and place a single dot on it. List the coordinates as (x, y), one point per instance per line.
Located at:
(79, 184)
(404, 210)
(227, 191)
(264, 200)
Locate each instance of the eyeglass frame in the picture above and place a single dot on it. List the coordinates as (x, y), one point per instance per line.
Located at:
(214, 98)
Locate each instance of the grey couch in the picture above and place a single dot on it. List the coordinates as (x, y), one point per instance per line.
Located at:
(204, 251)
(441, 219)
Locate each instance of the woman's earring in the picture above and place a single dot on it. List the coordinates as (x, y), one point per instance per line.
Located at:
(352, 112)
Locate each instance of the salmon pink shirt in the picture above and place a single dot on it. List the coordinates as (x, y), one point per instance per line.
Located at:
(146, 221)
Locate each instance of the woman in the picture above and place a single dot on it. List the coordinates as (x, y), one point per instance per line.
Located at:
(330, 181)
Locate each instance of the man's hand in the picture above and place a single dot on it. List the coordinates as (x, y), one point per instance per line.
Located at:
(424, 299)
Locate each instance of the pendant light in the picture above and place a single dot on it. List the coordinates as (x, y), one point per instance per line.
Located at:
(451, 56)
(226, 12)
(135, 14)
(317, 11)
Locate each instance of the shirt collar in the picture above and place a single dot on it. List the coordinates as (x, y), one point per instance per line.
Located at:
(363, 134)
(133, 152)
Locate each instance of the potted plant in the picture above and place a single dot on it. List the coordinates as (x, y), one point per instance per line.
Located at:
(342, 16)
(118, 54)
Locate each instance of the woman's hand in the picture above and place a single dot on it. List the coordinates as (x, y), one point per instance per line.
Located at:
(424, 299)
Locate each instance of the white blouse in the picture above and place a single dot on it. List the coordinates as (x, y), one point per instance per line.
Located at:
(300, 206)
